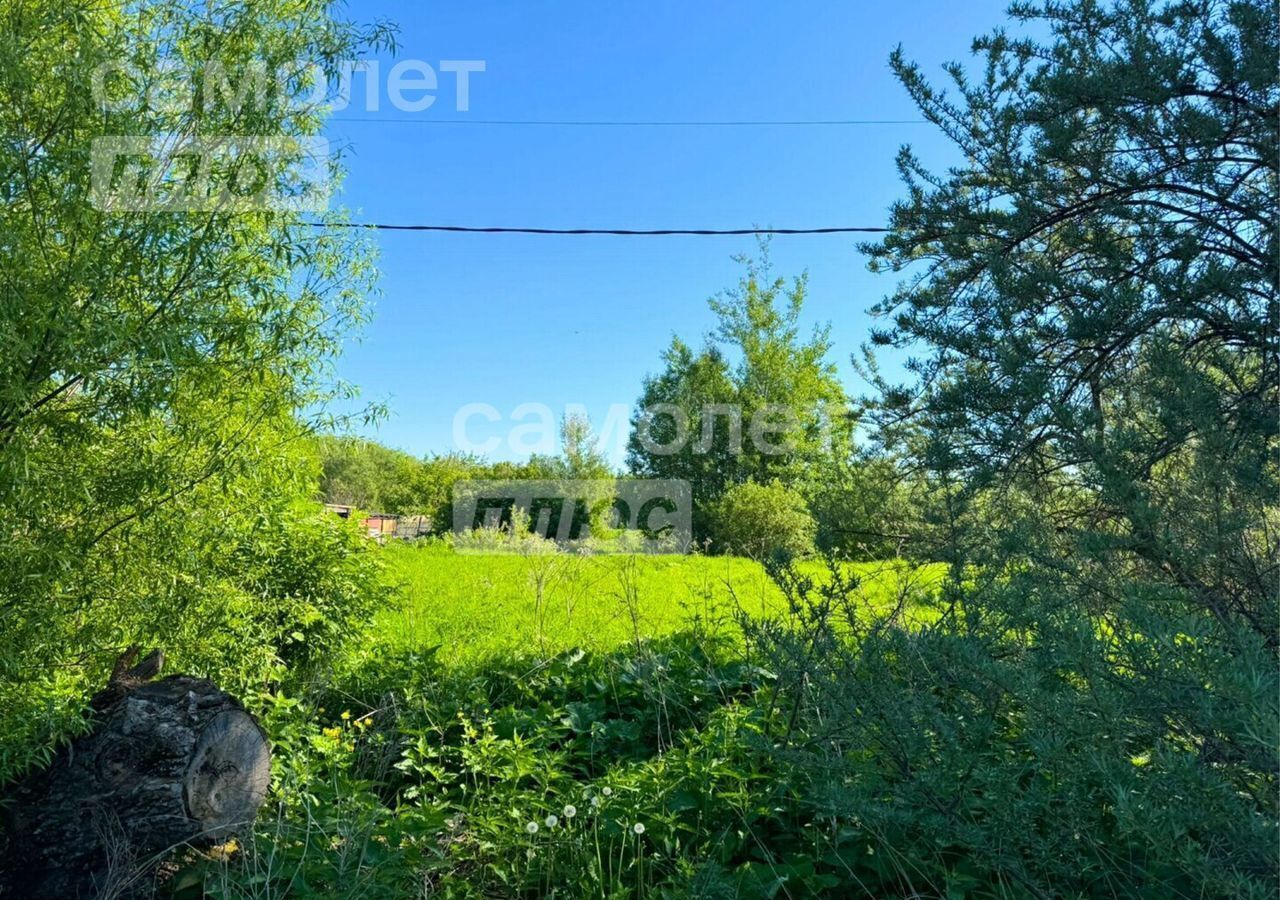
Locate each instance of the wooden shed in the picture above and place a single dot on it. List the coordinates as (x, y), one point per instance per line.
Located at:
(380, 525)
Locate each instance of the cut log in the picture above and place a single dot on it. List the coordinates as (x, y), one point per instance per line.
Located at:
(170, 763)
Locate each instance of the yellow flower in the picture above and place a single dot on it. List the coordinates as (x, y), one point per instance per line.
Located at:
(345, 715)
(225, 850)
(332, 733)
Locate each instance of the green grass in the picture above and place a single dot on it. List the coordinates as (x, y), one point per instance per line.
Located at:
(466, 746)
(477, 606)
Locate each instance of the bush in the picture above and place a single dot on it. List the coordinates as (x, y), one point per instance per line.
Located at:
(868, 507)
(762, 520)
(972, 762)
(513, 536)
(236, 590)
(312, 579)
(276, 591)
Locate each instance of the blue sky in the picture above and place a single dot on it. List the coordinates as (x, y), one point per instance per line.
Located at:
(507, 320)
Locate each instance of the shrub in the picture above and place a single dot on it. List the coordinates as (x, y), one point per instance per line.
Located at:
(975, 763)
(238, 595)
(761, 520)
(313, 579)
(512, 536)
(278, 589)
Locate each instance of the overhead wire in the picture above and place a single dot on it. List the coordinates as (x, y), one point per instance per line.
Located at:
(624, 232)
(635, 123)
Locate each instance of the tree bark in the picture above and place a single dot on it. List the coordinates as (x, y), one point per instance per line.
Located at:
(170, 763)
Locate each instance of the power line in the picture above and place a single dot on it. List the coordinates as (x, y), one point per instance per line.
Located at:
(625, 232)
(639, 123)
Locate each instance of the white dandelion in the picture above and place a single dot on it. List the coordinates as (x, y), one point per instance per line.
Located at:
(570, 811)
(551, 820)
(608, 792)
(638, 828)
(595, 801)
(532, 828)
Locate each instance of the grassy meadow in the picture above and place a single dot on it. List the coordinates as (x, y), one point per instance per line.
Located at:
(553, 724)
(477, 606)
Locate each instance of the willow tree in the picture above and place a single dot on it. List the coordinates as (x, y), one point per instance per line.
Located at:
(159, 355)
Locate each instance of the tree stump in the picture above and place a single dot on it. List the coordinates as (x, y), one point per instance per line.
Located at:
(169, 763)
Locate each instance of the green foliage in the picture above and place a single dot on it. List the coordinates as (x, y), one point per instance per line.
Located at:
(1102, 296)
(776, 413)
(763, 520)
(373, 478)
(1095, 711)
(513, 536)
(581, 456)
(160, 370)
(582, 463)
(636, 774)
(1086, 706)
(868, 506)
(978, 763)
(310, 582)
(408, 770)
(690, 382)
(364, 474)
(426, 757)
(324, 830)
(238, 595)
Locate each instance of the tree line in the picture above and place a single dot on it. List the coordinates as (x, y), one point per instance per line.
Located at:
(756, 420)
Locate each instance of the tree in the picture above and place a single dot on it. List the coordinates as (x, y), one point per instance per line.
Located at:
(867, 505)
(582, 473)
(581, 454)
(374, 478)
(1092, 297)
(694, 384)
(160, 366)
(1100, 286)
(774, 413)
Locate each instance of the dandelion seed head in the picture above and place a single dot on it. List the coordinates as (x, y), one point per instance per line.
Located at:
(570, 811)
(532, 828)
(608, 792)
(638, 828)
(551, 820)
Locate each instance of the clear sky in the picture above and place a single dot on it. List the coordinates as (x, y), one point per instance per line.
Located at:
(507, 320)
